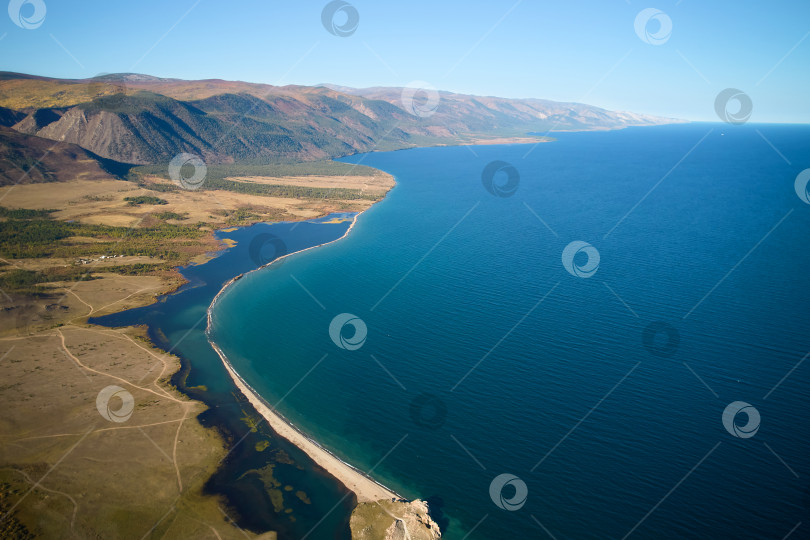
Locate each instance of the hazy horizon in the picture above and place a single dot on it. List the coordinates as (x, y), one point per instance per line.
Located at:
(670, 61)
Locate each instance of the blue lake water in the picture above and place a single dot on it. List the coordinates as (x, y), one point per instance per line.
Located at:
(485, 356)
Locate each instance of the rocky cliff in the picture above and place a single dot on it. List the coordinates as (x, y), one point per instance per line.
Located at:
(393, 520)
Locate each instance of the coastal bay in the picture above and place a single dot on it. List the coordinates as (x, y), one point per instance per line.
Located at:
(260, 463)
(258, 500)
(363, 487)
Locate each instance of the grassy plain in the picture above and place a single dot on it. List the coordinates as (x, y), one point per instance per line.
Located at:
(65, 470)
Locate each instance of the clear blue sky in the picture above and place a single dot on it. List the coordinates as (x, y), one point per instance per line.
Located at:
(583, 50)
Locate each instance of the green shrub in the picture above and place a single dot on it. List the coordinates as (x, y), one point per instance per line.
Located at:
(145, 199)
(171, 215)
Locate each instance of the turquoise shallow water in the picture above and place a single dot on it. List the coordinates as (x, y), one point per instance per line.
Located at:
(466, 374)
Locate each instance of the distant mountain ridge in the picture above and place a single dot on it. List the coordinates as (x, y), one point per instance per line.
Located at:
(492, 113)
(141, 119)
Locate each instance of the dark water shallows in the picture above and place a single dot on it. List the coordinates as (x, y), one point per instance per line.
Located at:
(562, 393)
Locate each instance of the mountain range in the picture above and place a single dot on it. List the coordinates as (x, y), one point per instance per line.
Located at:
(140, 119)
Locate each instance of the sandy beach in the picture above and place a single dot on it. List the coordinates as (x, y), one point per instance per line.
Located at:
(364, 488)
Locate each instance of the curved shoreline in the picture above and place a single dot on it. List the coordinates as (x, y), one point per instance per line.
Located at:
(365, 488)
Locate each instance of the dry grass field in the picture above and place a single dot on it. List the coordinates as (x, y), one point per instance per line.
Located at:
(102, 202)
(67, 471)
